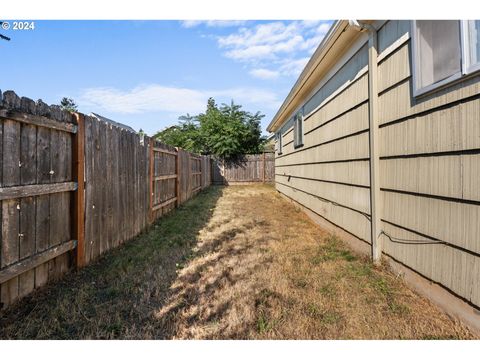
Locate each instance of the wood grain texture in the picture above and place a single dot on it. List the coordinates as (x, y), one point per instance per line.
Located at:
(16, 192)
(10, 208)
(37, 120)
(27, 265)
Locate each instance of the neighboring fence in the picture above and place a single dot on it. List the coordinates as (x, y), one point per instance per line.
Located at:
(126, 182)
(250, 168)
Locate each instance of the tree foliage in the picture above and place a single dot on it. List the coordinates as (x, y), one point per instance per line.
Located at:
(68, 104)
(226, 131)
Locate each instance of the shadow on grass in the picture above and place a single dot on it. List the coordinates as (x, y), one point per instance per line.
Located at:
(115, 296)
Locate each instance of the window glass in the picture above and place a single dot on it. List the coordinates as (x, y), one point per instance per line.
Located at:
(474, 42)
(298, 129)
(279, 142)
(438, 51)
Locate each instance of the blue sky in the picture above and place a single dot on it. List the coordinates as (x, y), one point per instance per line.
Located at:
(147, 73)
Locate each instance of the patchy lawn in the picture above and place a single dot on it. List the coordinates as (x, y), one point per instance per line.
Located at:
(234, 263)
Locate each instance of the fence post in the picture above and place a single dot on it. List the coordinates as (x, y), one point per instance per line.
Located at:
(150, 186)
(177, 179)
(189, 176)
(79, 194)
(264, 166)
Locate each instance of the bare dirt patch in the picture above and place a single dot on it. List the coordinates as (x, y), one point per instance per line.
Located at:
(233, 263)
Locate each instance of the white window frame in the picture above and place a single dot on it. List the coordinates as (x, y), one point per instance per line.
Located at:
(279, 142)
(420, 91)
(298, 138)
(465, 68)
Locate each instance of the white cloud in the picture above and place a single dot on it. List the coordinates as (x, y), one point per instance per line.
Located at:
(278, 47)
(294, 67)
(143, 99)
(264, 98)
(273, 38)
(264, 73)
(175, 100)
(212, 23)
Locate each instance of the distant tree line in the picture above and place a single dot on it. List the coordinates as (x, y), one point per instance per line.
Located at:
(226, 131)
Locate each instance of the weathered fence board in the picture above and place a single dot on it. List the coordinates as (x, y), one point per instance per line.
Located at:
(35, 191)
(246, 169)
(116, 206)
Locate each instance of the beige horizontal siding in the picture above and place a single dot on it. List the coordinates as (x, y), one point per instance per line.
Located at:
(354, 147)
(354, 94)
(429, 168)
(287, 135)
(397, 103)
(390, 32)
(349, 123)
(395, 68)
(353, 197)
(346, 74)
(453, 222)
(288, 148)
(352, 172)
(451, 267)
(351, 221)
(452, 129)
(455, 176)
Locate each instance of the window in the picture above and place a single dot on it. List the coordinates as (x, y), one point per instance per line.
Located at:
(471, 39)
(279, 142)
(443, 51)
(298, 129)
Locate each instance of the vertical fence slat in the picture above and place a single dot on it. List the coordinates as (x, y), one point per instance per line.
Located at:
(79, 195)
(10, 213)
(42, 221)
(27, 205)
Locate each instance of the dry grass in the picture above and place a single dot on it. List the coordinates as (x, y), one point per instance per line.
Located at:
(235, 263)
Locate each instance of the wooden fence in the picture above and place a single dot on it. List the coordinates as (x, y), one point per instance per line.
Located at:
(248, 169)
(74, 186)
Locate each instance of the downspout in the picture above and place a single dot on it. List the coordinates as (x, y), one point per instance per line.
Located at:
(375, 201)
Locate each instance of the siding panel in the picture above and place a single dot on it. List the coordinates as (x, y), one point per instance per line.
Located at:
(353, 197)
(354, 172)
(455, 176)
(453, 129)
(355, 147)
(452, 222)
(455, 269)
(351, 221)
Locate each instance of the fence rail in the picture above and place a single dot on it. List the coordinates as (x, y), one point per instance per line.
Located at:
(74, 186)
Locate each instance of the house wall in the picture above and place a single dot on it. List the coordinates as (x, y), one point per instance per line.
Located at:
(429, 165)
(330, 173)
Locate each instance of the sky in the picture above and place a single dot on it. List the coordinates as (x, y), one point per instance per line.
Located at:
(146, 74)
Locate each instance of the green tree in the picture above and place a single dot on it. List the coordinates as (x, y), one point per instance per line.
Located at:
(68, 104)
(226, 131)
